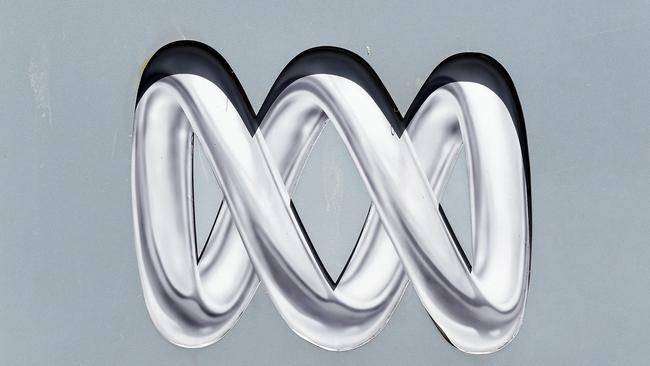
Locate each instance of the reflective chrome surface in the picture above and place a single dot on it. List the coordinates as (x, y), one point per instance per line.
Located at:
(194, 302)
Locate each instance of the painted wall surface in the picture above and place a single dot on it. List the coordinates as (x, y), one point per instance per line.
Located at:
(70, 292)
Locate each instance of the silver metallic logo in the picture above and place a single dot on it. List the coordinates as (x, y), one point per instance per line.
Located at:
(188, 92)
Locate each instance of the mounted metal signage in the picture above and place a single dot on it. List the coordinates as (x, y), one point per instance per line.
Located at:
(188, 93)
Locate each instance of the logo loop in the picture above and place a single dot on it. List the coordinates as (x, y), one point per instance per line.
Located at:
(188, 93)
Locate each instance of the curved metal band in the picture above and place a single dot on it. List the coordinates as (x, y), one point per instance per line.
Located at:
(478, 309)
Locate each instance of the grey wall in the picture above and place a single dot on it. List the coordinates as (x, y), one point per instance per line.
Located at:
(69, 287)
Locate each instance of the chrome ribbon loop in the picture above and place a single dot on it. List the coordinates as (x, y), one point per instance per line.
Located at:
(257, 234)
